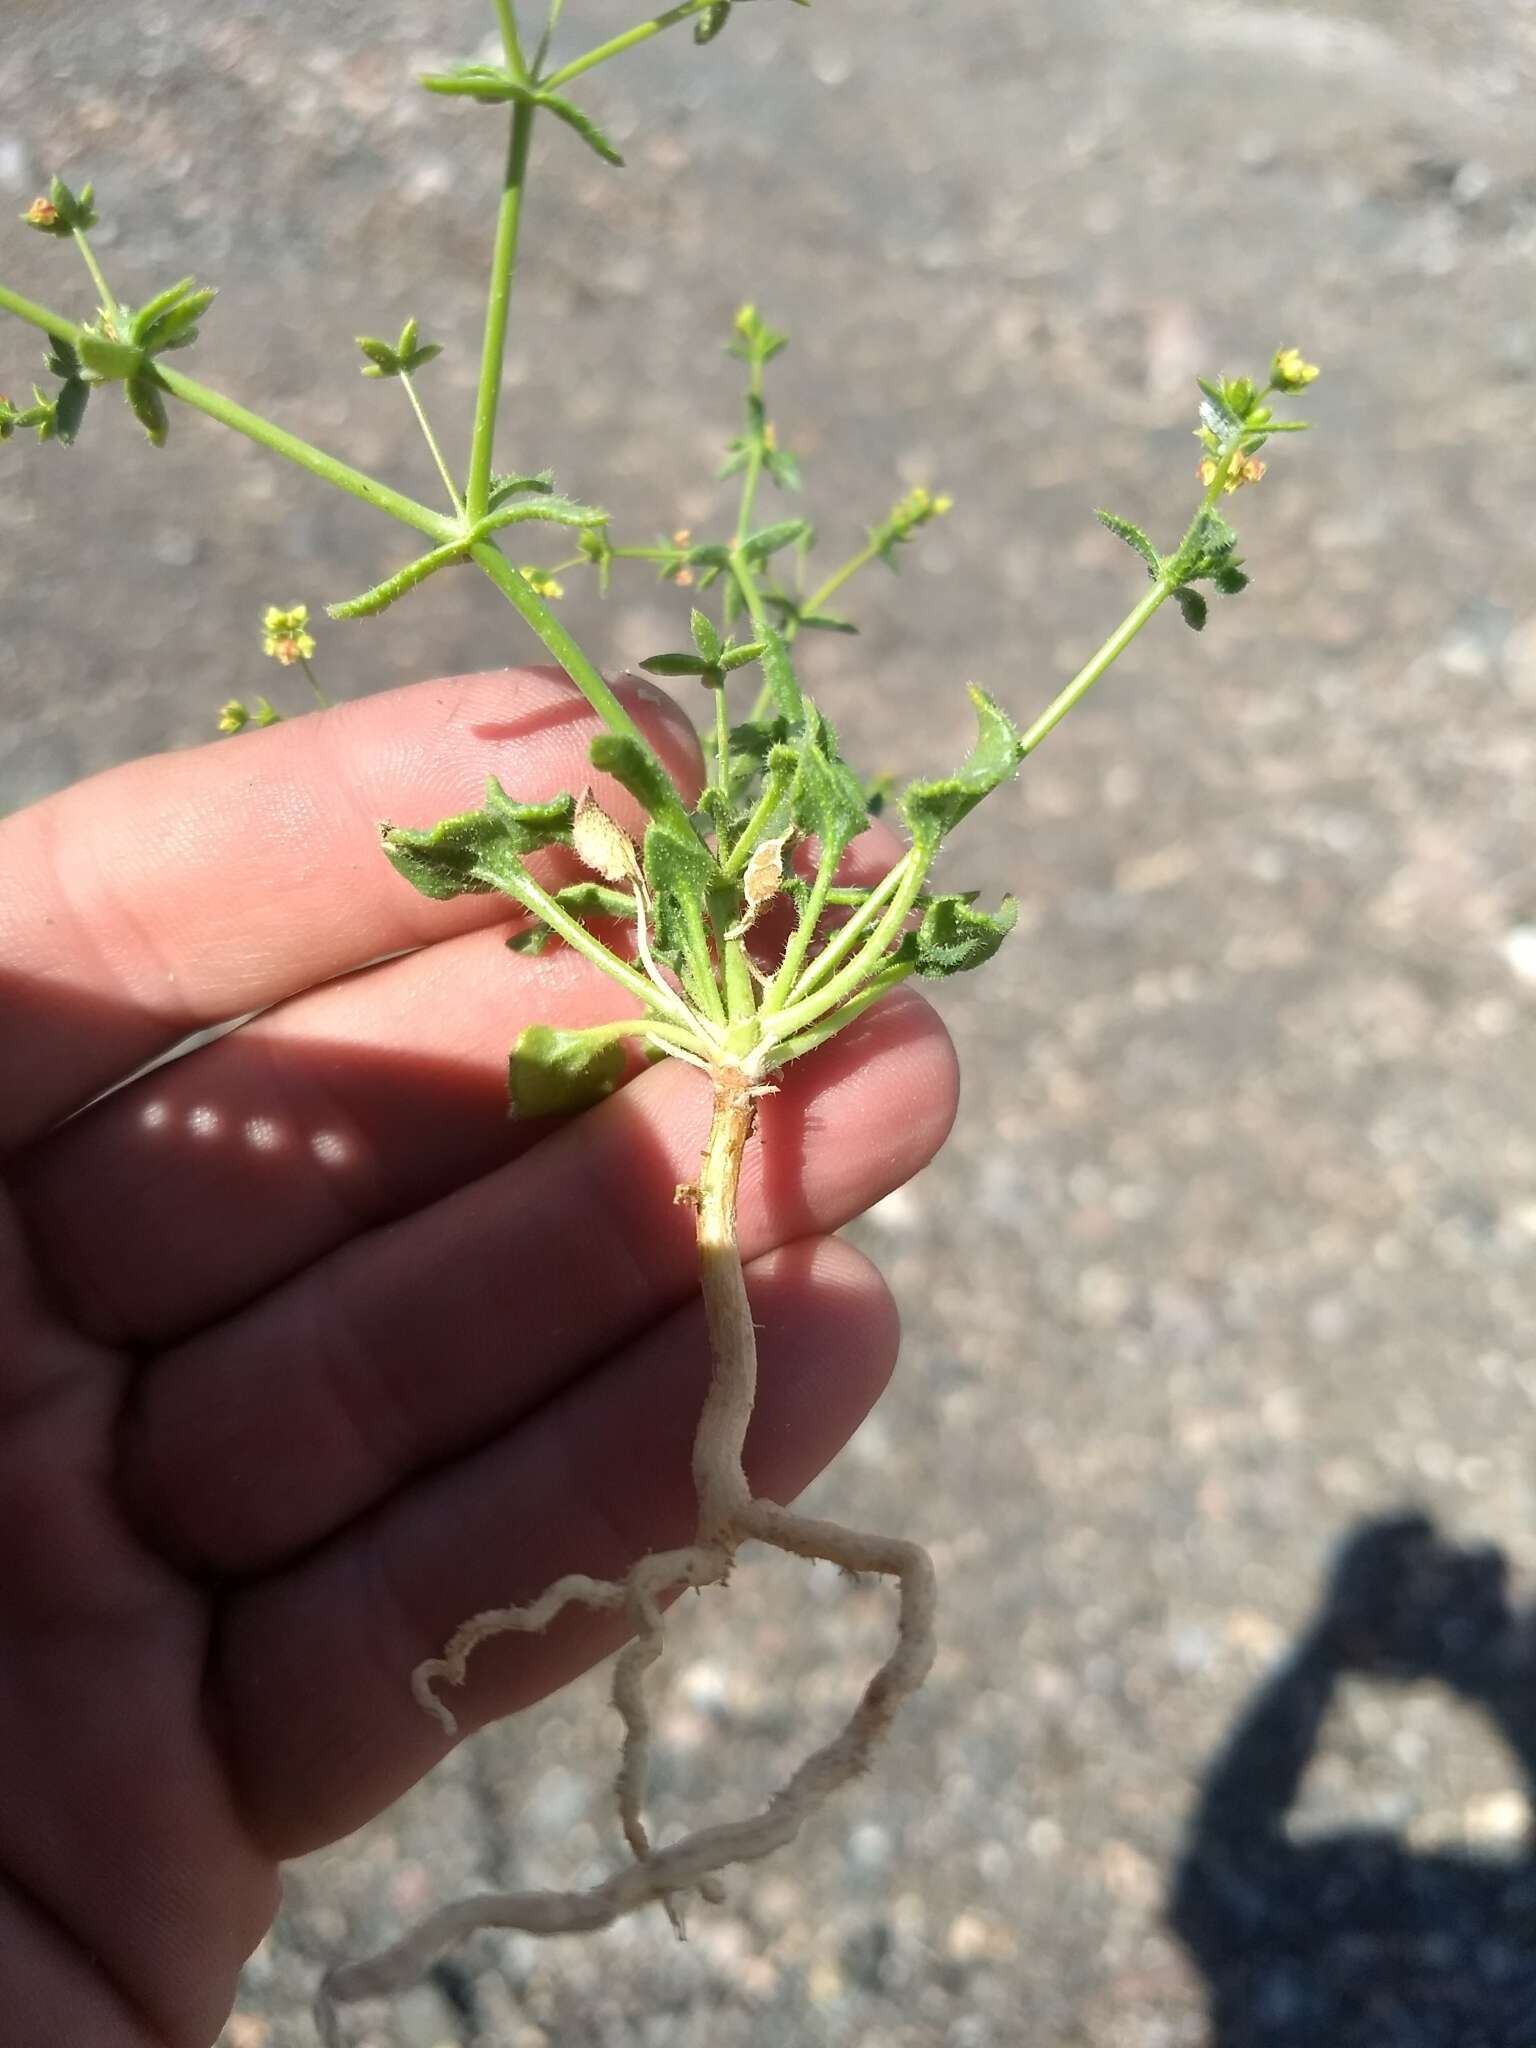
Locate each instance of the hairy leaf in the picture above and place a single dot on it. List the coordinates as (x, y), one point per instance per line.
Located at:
(953, 937)
(1133, 538)
(476, 854)
(556, 1073)
(826, 798)
(636, 768)
(933, 809)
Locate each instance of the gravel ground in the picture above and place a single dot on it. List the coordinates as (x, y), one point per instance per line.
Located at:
(1230, 1256)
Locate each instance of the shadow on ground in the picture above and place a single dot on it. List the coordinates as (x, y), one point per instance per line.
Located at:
(1356, 1939)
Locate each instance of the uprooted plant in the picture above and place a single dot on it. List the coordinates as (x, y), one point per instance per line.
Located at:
(687, 911)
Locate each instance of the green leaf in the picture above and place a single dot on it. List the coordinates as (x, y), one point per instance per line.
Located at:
(677, 665)
(779, 675)
(111, 361)
(953, 937)
(711, 21)
(176, 327)
(826, 622)
(556, 1073)
(732, 658)
(705, 637)
(769, 539)
(636, 768)
(384, 594)
(826, 798)
(558, 511)
(487, 83)
(588, 130)
(681, 872)
(505, 487)
(1133, 538)
(1193, 606)
(783, 467)
(933, 809)
(64, 360)
(69, 411)
(144, 397)
(475, 854)
(1230, 579)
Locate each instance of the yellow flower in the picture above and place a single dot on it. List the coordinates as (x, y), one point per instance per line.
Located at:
(540, 582)
(233, 716)
(42, 213)
(1246, 470)
(1289, 373)
(284, 637)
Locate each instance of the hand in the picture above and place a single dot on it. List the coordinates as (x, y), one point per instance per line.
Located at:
(1404, 1603)
(306, 1354)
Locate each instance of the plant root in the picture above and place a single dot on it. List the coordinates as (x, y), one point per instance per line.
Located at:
(729, 1515)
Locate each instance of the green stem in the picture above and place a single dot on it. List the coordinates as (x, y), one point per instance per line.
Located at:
(575, 663)
(431, 439)
(617, 45)
(750, 481)
(524, 889)
(839, 577)
(808, 1009)
(109, 304)
(1096, 664)
(722, 740)
(39, 316)
(320, 697)
(509, 39)
(800, 939)
(843, 941)
(818, 1034)
(327, 467)
(499, 298)
(757, 824)
(1134, 620)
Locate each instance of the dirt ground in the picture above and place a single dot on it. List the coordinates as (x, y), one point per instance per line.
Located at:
(1232, 1252)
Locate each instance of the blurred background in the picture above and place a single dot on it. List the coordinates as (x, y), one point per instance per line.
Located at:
(1232, 1253)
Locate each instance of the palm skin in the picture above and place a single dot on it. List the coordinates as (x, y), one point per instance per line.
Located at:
(306, 1353)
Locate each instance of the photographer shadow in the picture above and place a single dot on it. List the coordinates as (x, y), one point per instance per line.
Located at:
(1358, 1940)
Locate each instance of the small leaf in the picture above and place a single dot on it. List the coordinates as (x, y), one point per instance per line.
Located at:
(473, 855)
(711, 21)
(487, 83)
(177, 326)
(933, 809)
(588, 130)
(677, 665)
(384, 594)
(634, 768)
(953, 937)
(826, 798)
(143, 395)
(111, 361)
(505, 487)
(732, 658)
(705, 637)
(681, 872)
(769, 539)
(556, 1073)
(162, 302)
(1230, 579)
(69, 411)
(826, 622)
(1193, 606)
(1133, 538)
